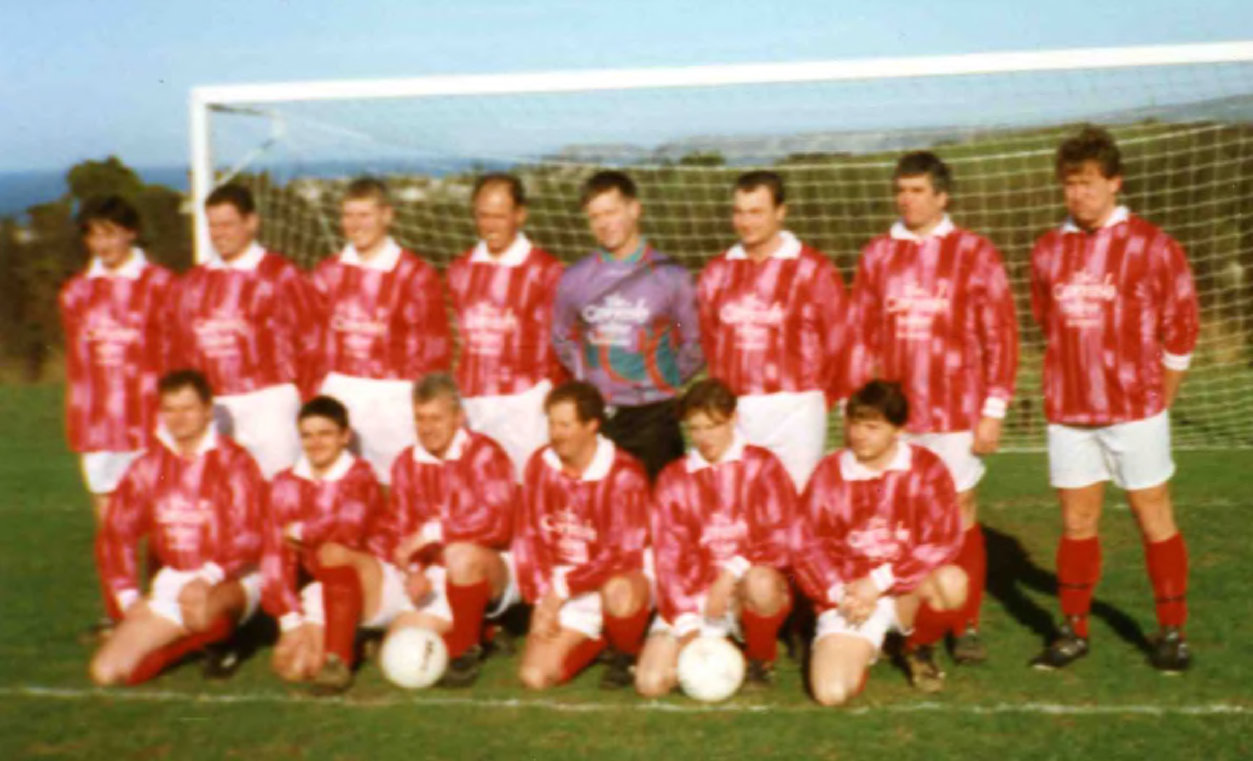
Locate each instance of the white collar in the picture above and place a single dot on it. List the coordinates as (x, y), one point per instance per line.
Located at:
(131, 269)
(245, 262)
(455, 447)
(514, 256)
(338, 469)
(852, 470)
(734, 453)
(597, 469)
(1119, 215)
(900, 232)
(789, 248)
(383, 261)
(207, 442)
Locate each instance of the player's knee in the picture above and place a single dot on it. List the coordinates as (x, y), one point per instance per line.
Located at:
(104, 672)
(653, 683)
(950, 588)
(535, 677)
(833, 691)
(333, 554)
(764, 590)
(622, 597)
(464, 563)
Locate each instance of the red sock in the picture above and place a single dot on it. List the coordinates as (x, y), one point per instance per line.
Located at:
(578, 658)
(163, 657)
(1168, 570)
(930, 626)
(468, 603)
(973, 559)
(1078, 569)
(761, 633)
(341, 597)
(626, 634)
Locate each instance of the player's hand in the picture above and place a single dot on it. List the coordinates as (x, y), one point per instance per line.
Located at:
(718, 602)
(860, 598)
(417, 586)
(987, 435)
(193, 601)
(297, 656)
(406, 549)
(546, 618)
(293, 535)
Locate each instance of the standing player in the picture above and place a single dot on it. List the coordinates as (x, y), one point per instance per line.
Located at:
(385, 324)
(772, 323)
(933, 311)
(720, 530)
(625, 320)
(113, 346)
(1115, 299)
(580, 547)
(244, 318)
(320, 512)
(878, 527)
(502, 296)
(196, 497)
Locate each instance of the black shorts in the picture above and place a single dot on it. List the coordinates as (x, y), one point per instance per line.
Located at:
(648, 431)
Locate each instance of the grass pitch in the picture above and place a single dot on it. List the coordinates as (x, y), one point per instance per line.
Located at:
(1109, 706)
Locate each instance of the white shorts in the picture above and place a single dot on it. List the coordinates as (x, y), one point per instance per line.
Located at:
(169, 583)
(264, 423)
(515, 421)
(791, 424)
(727, 625)
(874, 629)
(954, 449)
(103, 471)
(1134, 455)
(394, 600)
(584, 613)
(381, 413)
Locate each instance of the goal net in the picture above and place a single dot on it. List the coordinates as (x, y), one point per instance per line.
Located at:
(1183, 116)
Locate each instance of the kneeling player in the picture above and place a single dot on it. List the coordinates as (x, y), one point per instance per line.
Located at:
(580, 546)
(196, 497)
(879, 526)
(720, 531)
(316, 525)
(447, 530)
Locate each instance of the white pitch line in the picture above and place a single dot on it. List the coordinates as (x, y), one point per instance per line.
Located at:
(1050, 709)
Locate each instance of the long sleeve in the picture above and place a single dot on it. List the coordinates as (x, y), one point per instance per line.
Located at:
(771, 506)
(127, 521)
(425, 344)
(299, 318)
(1179, 325)
(530, 554)
(240, 510)
(831, 305)
(682, 569)
(280, 564)
(687, 324)
(818, 532)
(565, 326)
(483, 513)
(934, 519)
(998, 329)
(865, 327)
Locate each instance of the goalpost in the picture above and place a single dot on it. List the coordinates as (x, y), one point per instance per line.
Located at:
(1183, 115)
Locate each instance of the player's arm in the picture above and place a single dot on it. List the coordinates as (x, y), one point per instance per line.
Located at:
(1180, 321)
(832, 306)
(279, 554)
(624, 535)
(817, 537)
(300, 315)
(687, 323)
(998, 336)
(240, 520)
(426, 343)
(542, 317)
(487, 517)
(772, 511)
(865, 325)
(126, 522)
(565, 325)
(1041, 297)
(935, 521)
(679, 557)
(531, 556)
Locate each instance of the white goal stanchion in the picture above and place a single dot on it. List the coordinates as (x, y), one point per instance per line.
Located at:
(1182, 114)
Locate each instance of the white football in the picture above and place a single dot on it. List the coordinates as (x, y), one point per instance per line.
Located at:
(711, 669)
(413, 658)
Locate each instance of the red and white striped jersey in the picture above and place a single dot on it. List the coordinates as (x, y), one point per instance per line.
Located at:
(246, 324)
(470, 495)
(114, 354)
(709, 517)
(1116, 305)
(504, 312)
(777, 325)
(575, 533)
(937, 315)
(896, 526)
(339, 507)
(202, 513)
(384, 318)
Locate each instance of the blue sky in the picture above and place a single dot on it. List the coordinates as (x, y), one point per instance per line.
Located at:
(82, 79)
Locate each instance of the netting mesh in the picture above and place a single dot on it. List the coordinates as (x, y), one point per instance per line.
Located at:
(1186, 134)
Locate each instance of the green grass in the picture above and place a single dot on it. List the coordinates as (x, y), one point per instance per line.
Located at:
(1109, 706)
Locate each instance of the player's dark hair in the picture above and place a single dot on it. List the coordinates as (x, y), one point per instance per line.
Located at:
(1090, 144)
(325, 407)
(177, 380)
(607, 181)
(710, 396)
(501, 180)
(236, 195)
(878, 399)
(113, 209)
(588, 403)
(434, 386)
(925, 162)
(368, 189)
(763, 178)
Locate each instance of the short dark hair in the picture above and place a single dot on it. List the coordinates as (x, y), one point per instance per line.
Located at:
(177, 380)
(763, 178)
(433, 386)
(501, 180)
(915, 163)
(588, 403)
(1092, 143)
(113, 209)
(325, 407)
(710, 396)
(368, 188)
(606, 181)
(234, 194)
(878, 399)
